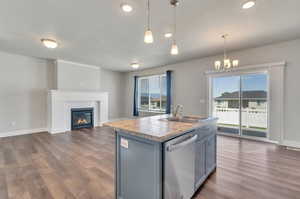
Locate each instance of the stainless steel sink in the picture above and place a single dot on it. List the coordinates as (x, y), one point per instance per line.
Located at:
(186, 119)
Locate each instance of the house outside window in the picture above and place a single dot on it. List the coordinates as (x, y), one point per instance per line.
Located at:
(152, 94)
(251, 99)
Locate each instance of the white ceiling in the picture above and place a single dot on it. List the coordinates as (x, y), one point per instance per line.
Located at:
(97, 32)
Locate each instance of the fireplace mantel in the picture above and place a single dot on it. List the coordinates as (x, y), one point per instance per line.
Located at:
(61, 102)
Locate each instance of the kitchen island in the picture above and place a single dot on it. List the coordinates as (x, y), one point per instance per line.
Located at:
(161, 159)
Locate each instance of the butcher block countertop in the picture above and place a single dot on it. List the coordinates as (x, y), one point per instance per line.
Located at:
(157, 128)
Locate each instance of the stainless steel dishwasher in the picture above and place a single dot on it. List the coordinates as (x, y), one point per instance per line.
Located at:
(179, 167)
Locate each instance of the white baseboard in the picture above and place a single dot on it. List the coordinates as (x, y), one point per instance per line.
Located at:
(56, 131)
(290, 143)
(22, 132)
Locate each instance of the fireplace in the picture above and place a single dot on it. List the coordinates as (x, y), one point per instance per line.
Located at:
(82, 118)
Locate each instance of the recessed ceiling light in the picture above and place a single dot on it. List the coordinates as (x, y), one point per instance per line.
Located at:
(49, 43)
(126, 7)
(168, 35)
(248, 4)
(135, 65)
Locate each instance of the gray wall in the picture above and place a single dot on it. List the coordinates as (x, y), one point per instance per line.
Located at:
(72, 76)
(112, 82)
(24, 82)
(190, 86)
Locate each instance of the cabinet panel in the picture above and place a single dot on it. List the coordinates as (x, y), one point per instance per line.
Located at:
(204, 131)
(210, 150)
(139, 169)
(200, 165)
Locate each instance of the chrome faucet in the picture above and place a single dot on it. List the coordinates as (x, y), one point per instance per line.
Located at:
(177, 112)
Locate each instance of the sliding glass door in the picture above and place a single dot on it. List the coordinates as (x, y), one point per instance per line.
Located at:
(254, 98)
(241, 104)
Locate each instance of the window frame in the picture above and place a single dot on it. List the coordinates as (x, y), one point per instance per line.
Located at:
(160, 110)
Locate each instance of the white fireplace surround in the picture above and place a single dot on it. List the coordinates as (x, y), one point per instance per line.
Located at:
(60, 104)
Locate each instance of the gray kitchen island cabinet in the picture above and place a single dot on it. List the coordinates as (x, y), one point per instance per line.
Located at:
(160, 165)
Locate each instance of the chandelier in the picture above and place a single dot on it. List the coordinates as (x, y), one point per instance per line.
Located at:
(227, 63)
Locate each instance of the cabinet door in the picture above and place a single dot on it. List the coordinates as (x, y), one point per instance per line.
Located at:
(210, 150)
(139, 170)
(200, 163)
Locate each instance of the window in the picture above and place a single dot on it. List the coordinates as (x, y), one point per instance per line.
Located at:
(152, 93)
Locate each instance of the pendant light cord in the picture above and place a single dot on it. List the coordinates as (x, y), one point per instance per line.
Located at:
(175, 26)
(148, 14)
(225, 56)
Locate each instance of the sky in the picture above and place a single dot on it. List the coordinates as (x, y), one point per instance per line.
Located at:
(231, 83)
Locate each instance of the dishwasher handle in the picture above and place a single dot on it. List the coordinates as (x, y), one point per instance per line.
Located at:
(184, 143)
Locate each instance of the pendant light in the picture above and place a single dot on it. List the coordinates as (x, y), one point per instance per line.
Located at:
(227, 63)
(174, 47)
(148, 38)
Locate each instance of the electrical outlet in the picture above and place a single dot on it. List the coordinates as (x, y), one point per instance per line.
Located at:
(13, 123)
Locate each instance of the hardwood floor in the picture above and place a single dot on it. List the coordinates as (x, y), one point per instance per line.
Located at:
(80, 164)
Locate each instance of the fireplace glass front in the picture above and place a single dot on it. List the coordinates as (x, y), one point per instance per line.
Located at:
(82, 118)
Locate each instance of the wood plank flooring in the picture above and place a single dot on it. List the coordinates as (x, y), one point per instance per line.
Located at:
(80, 164)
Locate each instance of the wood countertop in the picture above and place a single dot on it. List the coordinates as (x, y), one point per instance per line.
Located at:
(157, 128)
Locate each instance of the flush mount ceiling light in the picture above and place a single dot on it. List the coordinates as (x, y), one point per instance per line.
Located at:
(148, 37)
(126, 7)
(174, 47)
(168, 35)
(248, 4)
(135, 65)
(227, 63)
(49, 43)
